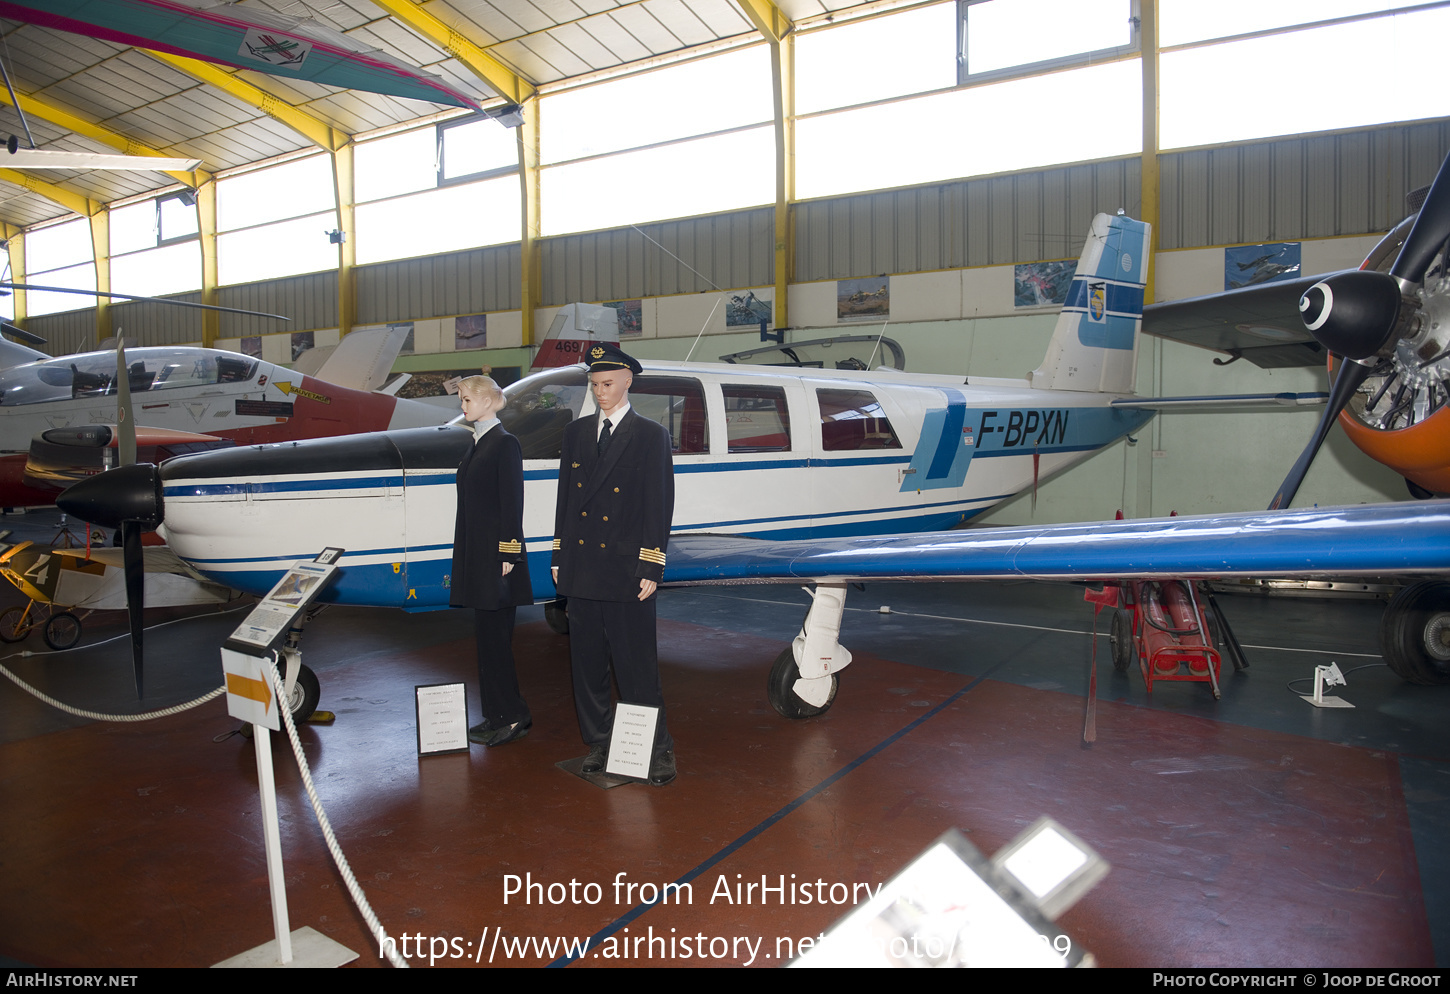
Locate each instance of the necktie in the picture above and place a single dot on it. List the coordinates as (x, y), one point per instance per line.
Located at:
(604, 437)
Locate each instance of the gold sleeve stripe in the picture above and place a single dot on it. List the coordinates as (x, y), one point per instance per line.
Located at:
(556, 545)
(511, 548)
(652, 556)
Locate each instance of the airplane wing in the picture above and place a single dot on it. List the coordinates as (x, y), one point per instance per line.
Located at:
(155, 559)
(1258, 323)
(60, 457)
(1368, 539)
(95, 582)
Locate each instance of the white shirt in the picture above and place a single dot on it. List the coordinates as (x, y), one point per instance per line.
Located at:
(616, 416)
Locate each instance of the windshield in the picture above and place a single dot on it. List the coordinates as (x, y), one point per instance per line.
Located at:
(94, 374)
(540, 406)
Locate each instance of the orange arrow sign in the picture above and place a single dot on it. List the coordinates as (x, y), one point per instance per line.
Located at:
(249, 689)
(290, 388)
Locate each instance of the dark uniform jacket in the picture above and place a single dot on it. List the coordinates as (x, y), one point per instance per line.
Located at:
(612, 518)
(489, 528)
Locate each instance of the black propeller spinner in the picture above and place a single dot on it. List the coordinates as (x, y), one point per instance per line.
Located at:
(1361, 315)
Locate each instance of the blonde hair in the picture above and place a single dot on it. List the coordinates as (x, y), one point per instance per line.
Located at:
(480, 387)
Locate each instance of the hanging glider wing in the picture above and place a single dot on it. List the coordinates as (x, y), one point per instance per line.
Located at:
(245, 37)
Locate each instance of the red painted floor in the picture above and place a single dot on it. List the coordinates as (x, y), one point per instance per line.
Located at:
(140, 845)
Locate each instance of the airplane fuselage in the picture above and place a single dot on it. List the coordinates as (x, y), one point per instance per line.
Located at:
(181, 388)
(759, 451)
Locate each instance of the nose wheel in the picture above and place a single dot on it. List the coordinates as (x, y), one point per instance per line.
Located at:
(780, 689)
(797, 694)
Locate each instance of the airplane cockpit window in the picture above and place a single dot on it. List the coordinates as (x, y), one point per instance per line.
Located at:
(678, 403)
(93, 374)
(540, 406)
(756, 419)
(853, 419)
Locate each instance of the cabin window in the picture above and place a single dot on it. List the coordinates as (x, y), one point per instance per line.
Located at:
(756, 419)
(678, 403)
(540, 407)
(853, 419)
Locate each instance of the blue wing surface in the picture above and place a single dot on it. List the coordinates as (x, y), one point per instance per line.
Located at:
(1367, 539)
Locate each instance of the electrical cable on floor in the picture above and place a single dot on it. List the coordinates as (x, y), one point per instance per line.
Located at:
(1345, 673)
(386, 946)
(97, 715)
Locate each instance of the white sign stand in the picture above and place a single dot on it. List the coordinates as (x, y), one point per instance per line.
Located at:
(252, 697)
(312, 949)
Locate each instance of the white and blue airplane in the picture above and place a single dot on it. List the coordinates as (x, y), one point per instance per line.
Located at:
(781, 473)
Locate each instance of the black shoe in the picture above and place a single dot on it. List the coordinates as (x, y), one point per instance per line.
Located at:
(480, 733)
(510, 733)
(594, 762)
(662, 768)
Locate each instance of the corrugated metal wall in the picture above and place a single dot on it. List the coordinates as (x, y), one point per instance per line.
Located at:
(65, 333)
(1352, 183)
(158, 324)
(309, 300)
(471, 282)
(991, 221)
(1279, 190)
(654, 260)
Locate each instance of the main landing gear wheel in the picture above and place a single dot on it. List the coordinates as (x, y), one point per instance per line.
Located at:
(12, 627)
(306, 692)
(557, 615)
(1121, 640)
(62, 631)
(1415, 634)
(780, 689)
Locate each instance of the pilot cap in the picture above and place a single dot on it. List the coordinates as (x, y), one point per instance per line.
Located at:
(606, 357)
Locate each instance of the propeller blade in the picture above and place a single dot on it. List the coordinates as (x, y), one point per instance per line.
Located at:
(1362, 314)
(1429, 232)
(1359, 314)
(128, 497)
(1351, 375)
(21, 334)
(135, 593)
(125, 423)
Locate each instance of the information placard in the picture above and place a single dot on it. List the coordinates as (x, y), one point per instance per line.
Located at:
(442, 718)
(631, 744)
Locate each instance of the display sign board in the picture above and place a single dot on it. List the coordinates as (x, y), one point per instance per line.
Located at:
(631, 744)
(266, 626)
(250, 696)
(442, 718)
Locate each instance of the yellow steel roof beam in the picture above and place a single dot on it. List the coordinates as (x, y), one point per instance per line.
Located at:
(313, 128)
(767, 18)
(499, 77)
(68, 199)
(32, 107)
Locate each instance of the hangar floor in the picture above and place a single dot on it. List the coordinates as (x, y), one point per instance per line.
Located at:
(1251, 831)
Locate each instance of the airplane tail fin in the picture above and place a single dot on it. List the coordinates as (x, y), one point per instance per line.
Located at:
(1095, 345)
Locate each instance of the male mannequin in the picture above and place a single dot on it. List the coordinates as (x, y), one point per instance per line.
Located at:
(616, 499)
